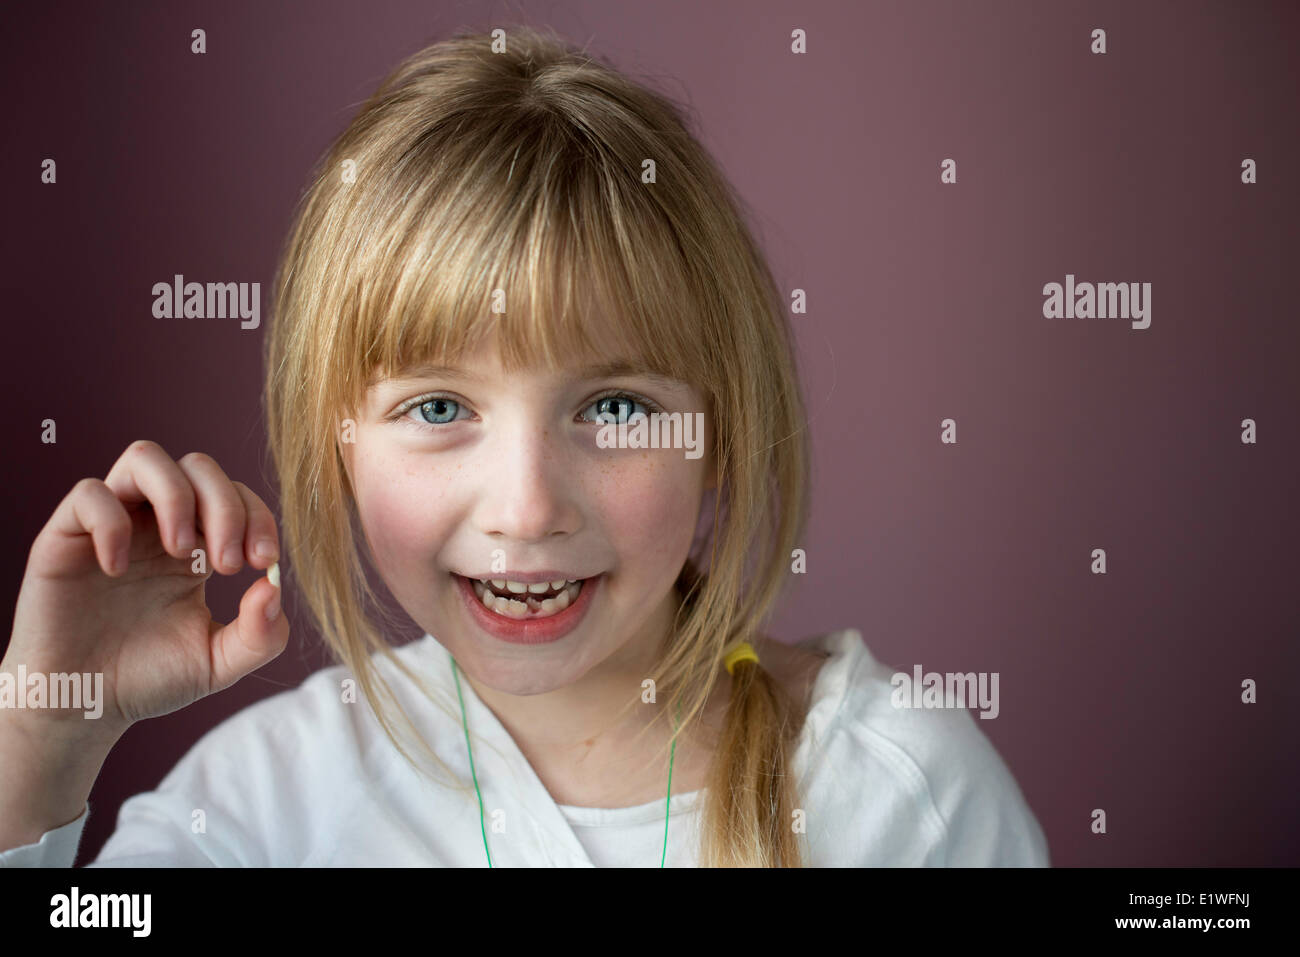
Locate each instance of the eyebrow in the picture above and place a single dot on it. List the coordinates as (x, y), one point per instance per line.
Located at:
(603, 370)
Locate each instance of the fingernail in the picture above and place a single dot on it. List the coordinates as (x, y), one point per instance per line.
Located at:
(273, 608)
(186, 537)
(232, 556)
(273, 574)
(266, 549)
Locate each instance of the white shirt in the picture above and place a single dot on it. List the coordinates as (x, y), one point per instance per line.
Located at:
(305, 779)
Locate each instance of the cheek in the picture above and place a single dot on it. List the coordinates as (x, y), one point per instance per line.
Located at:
(648, 506)
(401, 511)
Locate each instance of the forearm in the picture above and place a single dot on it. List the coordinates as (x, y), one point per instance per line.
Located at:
(46, 776)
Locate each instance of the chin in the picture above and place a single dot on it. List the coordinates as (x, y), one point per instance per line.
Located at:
(521, 678)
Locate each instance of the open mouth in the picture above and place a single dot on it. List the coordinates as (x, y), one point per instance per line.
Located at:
(528, 612)
(519, 600)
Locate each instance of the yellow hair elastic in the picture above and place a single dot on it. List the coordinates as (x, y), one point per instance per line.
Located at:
(744, 651)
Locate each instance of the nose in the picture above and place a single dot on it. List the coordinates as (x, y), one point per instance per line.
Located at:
(529, 492)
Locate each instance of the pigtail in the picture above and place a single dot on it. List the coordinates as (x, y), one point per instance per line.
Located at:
(752, 789)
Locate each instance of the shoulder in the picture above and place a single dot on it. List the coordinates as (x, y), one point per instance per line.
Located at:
(913, 785)
(794, 667)
(323, 728)
(263, 785)
(325, 715)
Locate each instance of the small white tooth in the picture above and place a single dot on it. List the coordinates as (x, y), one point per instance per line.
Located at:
(538, 588)
(558, 584)
(517, 587)
(489, 600)
(479, 589)
(498, 583)
(562, 600)
(549, 606)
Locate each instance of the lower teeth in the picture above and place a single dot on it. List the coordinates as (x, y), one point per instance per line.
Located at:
(531, 606)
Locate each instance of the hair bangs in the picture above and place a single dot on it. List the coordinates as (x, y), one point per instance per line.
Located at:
(525, 241)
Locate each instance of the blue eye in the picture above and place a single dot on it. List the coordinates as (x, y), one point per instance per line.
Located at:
(616, 409)
(435, 411)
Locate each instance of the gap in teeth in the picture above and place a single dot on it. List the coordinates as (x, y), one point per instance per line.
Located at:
(540, 604)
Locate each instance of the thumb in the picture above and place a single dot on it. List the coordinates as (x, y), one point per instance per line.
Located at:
(256, 637)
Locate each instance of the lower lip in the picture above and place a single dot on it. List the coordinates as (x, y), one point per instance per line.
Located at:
(528, 631)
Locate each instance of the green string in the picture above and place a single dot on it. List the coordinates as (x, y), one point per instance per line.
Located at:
(668, 801)
(483, 823)
(465, 725)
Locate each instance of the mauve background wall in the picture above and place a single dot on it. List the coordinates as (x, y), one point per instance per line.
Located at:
(1118, 691)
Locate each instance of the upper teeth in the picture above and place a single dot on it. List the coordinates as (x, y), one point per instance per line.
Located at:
(537, 588)
(532, 600)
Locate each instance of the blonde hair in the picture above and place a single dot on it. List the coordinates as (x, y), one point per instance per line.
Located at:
(470, 171)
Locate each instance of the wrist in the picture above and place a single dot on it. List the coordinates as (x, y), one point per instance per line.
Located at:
(46, 775)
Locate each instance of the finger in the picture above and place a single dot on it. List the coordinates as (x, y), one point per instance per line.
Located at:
(261, 540)
(146, 473)
(251, 640)
(221, 511)
(90, 509)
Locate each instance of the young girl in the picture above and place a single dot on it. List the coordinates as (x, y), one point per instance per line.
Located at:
(509, 254)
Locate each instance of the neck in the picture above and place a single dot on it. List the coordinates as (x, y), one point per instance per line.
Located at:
(594, 709)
